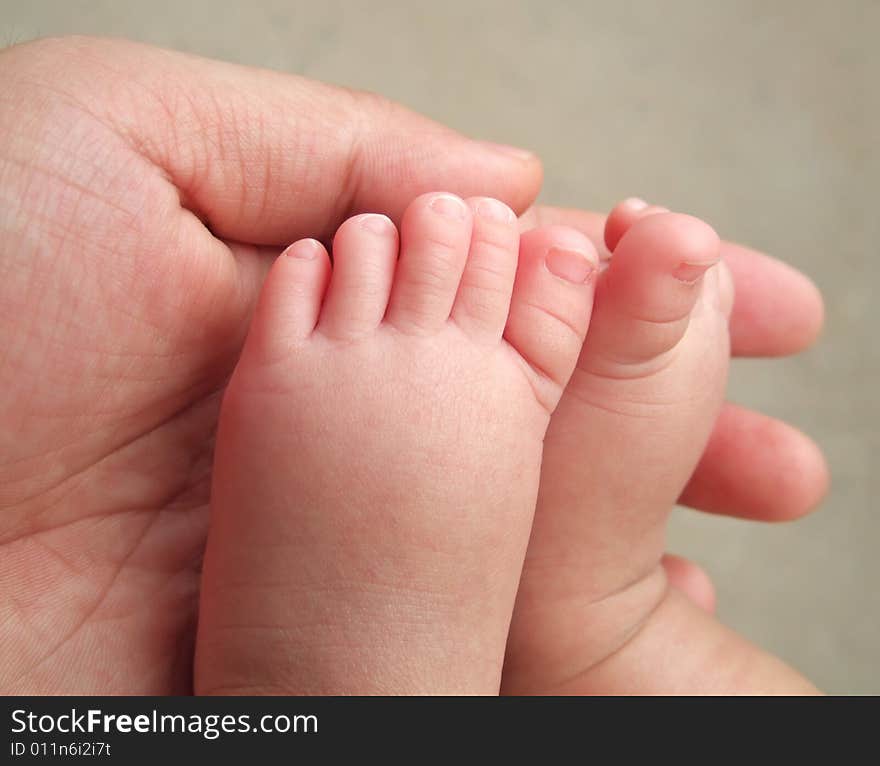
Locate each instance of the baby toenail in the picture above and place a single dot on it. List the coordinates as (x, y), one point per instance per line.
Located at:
(449, 206)
(691, 272)
(378, 224)
(570, 265)
(493, 210)
(307, 249)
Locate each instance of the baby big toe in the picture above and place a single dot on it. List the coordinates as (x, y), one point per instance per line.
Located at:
(652, 285)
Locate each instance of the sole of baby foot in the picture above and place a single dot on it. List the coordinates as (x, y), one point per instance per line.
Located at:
(625, 437)
(379, 451)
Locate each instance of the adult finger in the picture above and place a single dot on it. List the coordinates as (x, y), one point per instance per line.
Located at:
(260, 156)
(757, 467)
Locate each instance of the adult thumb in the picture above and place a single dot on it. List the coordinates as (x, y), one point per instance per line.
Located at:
(265, 157)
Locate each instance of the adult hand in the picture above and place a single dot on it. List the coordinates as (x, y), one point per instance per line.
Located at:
(143, 194)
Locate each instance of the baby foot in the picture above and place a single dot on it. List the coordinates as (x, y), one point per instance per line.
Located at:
(626, 436)
(379, 453)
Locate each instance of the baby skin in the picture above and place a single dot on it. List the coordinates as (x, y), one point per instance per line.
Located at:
(379, 452)
(596, 612)
(380, 449)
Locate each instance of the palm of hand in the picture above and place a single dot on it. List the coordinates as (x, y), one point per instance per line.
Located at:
(122, 318)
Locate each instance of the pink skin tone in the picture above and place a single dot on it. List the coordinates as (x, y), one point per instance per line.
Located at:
(595, 611)
(368, 538)
(754, 466)
(132, 251)
(379, 453)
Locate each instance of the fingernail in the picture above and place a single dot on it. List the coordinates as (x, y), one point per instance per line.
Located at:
(378, 224)
(307, 249)
(635, 203)
(493, 210)
(691, 272)
(570, 265)
(449, 206)
(510, 151)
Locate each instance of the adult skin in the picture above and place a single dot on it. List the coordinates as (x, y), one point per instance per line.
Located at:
(143, 195)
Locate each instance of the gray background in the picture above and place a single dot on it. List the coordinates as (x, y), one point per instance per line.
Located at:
(761, 116)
